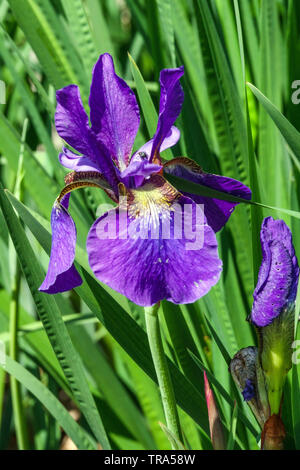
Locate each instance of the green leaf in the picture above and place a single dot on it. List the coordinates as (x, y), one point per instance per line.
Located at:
(80, 437)
(176, 444)
(27, 98)
(81, 32)
(272, 161)
(100, 28)
(148, 396)
(27, 66)
(250, 28)
(165, 13)
(37, 342)
(181, 339)
(37, 181)
(54, 326)
(256, 213)
(112, 389)
(231, 131)
(51, 43)
(232, 434)
(146, 102)
(224, 98)
(288, 131)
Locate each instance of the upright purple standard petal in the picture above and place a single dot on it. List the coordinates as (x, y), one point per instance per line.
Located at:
(169, 141)
(146, 253)
(138, 169)
(216, 211)
(114, 114)
(72, 124)
(278, 275)
(171, 100)
(62, 274)
(76, 162)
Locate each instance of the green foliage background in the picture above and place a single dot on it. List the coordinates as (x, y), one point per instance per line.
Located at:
(87, 350)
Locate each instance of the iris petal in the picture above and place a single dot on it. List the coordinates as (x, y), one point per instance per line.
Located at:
(249, 391)
(170, 140)
(145, 254)
(171, 100)
(114, 111)
(139, 166)
(138, 169)
(278, 275)
(72, 125)
(216, 211)
(76, 162)
(62, 274)
(71, 120)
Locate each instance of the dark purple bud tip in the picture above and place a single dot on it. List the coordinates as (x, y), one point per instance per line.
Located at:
(249, 391)
(277, 283)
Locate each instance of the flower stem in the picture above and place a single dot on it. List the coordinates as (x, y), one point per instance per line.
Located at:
(162, 371)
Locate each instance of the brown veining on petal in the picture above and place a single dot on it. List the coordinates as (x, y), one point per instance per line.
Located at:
(187, 163)
(81, 179)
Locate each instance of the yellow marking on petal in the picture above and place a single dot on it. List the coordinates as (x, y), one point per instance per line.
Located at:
(152, 201)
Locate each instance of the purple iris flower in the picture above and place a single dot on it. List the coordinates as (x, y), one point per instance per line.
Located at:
(144, 268)
(276, 288)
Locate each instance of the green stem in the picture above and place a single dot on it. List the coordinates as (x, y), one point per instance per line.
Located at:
(162, 371)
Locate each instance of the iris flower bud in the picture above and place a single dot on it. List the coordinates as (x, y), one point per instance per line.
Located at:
(273, 309)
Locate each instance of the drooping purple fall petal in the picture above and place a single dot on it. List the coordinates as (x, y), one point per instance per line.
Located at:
(171, 100)
(146, 253)
(114, 113)
(216, 211)
(278, 276)
(62, 274)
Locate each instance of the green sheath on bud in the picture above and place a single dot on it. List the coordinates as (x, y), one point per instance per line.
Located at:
(276, 355)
